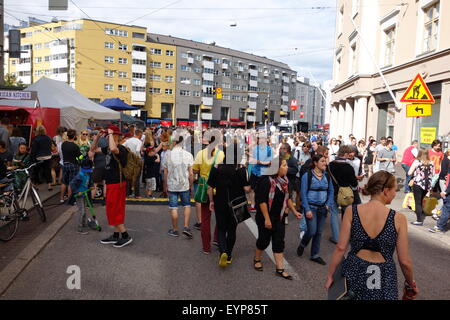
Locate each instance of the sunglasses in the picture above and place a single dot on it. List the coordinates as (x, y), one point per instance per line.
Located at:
(84, 134)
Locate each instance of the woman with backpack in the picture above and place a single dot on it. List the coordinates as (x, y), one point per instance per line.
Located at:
(230, 182)
(422, 171)
(317, 197)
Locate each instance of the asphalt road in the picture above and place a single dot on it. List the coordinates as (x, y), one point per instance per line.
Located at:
(157, 266)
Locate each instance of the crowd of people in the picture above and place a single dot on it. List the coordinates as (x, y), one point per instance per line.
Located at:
(308, 175)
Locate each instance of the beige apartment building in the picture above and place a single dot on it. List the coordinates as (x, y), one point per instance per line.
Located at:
(404, 39)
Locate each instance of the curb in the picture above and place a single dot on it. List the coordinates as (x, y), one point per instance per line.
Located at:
(24, 258)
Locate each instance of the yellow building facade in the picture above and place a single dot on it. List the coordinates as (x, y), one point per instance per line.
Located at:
(100, 60)
(162, 78)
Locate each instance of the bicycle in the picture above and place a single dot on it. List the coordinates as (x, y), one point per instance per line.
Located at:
(9, 215)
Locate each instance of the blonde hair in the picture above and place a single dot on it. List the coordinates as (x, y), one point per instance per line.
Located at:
(40, 130)
(423, 156)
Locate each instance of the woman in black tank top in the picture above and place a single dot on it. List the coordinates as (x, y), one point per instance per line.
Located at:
(376, 279)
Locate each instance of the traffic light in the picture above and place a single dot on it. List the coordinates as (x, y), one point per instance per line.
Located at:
(218, 92)
(266, 113)
(302, 114)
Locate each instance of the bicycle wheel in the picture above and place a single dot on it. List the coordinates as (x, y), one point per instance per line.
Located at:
(9, 218)
(38, 205)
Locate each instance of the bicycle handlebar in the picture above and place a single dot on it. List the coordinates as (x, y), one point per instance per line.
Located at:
(25, 169)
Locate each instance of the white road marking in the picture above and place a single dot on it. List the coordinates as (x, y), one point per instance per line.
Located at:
(254, 230)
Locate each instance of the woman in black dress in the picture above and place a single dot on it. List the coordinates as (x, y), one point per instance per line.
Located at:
(374, 233)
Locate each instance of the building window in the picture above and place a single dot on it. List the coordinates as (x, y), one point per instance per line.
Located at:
(185, 68)
(140, 62)
(185, 80)
(123, 47)
(123, 60)
(109, 45)
(225, 96)
(241, 114)
(168, 91)
(226, 85)
(138, 35)
(236, 98)
(339, 20)
(186, 93)
(155, 51)
(166, 110)
(224, 113)
(198, 70)
(137, 75)
(109, 73)
(184, 55)
(108, 59)
(390, 47)
(138, 89)
(38, 59)
(154, 90)
(116, 32)
(196, 93)
(169, 66)
(431, 27)
(155, 64)
(198, 57)
(123, 74)
(109, 87)
(207, 70)
(38, 46)
(169, 79)
(155, 77)
(197, 82)
(169, 53)
(122, 88)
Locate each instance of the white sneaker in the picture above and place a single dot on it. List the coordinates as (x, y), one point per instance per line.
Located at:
(302, 233)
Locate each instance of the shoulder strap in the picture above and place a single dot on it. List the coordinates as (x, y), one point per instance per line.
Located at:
(309, 173)
(329, 170)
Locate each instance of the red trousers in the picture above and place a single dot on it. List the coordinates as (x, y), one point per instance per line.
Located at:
(115, 203)
(206, 228)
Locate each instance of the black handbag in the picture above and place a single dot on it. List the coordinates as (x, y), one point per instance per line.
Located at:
(238, 208)
(339, 289)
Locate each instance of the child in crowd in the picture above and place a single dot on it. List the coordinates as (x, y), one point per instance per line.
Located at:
(151, 167)
(80, 184)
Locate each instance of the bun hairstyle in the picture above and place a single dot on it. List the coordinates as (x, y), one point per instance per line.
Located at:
(377, 182)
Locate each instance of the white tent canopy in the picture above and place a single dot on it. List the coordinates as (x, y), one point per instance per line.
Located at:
(75, 109)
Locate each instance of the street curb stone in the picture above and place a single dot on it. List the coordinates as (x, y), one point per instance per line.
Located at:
(23, 259)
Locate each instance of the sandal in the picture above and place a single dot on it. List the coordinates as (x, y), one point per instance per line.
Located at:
(254, 265)
(279, 272)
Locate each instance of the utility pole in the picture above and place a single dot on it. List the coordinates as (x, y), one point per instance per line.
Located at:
(2, 53)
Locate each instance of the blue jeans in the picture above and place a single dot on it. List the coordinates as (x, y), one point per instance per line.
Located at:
(407, 179)
(314, 232)
(303, 226)
(185, 197)
(445, 214)
(334, 222)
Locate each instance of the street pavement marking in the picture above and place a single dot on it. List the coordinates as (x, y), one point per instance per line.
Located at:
(254, 230)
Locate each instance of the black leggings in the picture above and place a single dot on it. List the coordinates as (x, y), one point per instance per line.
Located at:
(226, 229)
(43, 170)
(276, 234)
(419, 194)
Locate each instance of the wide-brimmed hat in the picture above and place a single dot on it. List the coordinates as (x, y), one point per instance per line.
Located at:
(115, 129)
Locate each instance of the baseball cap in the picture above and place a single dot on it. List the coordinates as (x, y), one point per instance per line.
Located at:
(115, 129)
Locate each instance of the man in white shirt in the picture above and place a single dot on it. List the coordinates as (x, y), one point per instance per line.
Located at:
(178, 179)
(379, 147)
(135, 146)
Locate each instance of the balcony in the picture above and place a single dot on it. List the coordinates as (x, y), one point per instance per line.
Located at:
(208, 64)
(138, 82)
(224, 66)
(60, 77)
(253, 95)
(206, 116)
(266, 74)
(284, 108)
(252, 104)
(207, 101)
(190, 60)
(253, 83)
(294, 80)
(137, 68)
(285, 79)
(277, 76)
(285, 89)
(285, 98)
(208, 76)
(24, 67)
(59, 49)
(62, 63)
(137, 96)
(139, 55)
(253, 72)
(27, 79)
(241, 68)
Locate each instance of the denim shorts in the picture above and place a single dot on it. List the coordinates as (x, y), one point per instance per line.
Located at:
(185, 197)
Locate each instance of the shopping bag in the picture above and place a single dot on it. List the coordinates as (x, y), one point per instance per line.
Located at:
(429, 204)
(408, 202)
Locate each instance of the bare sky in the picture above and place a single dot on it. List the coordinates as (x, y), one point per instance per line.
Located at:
(297, 32)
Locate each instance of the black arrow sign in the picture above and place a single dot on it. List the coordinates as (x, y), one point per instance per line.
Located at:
(421, 110)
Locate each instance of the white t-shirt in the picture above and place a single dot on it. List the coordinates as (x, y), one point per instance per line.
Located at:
(135, 145)
(177, 162)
